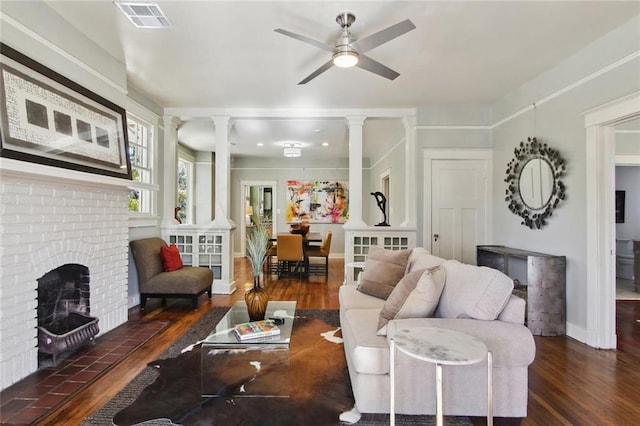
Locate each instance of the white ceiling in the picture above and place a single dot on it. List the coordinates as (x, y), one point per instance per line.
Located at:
(225, 54)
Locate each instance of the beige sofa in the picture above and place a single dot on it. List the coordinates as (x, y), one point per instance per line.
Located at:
(465, 387)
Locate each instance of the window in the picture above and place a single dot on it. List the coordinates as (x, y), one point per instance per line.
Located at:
(185, 188)
(143, 189)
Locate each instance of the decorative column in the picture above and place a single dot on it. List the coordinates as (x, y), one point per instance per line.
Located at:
(223, 172)
(222, 223)
(411, 187)
(355, 124)
(169, 169)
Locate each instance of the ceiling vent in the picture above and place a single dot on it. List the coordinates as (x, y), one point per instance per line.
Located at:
(144, 15)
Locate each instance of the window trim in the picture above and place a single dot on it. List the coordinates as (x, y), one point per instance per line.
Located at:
(152, 218)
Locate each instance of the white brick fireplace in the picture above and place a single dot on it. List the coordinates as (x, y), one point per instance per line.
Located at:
(50, 217)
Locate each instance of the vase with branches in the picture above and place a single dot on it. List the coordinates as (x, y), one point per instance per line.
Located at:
(257, 248)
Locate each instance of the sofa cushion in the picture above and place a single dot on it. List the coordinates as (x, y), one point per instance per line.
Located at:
(187, 280)
(369, 352)
(382, 271)
(421, 258)
(170, 258)
(351, 298)
(416, 296)
(473, 291)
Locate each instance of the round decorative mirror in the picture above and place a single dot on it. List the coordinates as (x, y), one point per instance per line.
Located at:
(534, 187)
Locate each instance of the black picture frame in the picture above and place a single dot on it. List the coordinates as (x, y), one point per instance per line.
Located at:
(620, 196)
(46, 118)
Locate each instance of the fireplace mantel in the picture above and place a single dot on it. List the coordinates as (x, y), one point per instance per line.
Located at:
(9, 166)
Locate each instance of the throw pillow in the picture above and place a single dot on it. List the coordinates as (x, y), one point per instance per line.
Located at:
(416, 296)
(382, 271)
(473, 291)
(421, 258)
(171, 258)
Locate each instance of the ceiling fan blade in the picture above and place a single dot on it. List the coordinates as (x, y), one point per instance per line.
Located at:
(376, 39)
(305, 39)
(366, 63)
(317, 72)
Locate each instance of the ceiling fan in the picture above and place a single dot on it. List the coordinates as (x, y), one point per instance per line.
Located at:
(347, 52)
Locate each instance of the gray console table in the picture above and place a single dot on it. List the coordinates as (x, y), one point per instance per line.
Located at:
(546, 285)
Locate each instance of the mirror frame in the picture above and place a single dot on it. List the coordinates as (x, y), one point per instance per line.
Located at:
(525, 152)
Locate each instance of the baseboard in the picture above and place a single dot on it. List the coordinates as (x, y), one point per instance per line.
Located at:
(223, 288)
(575, 332)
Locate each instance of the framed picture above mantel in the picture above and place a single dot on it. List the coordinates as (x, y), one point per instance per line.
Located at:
(317, 201)
(48, 119)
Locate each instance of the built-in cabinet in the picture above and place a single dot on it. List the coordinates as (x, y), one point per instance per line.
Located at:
(544, 276)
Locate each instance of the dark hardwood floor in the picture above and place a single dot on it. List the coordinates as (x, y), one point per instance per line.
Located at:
(569, 382)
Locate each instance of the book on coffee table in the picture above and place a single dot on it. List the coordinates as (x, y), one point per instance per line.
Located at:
(255, 329)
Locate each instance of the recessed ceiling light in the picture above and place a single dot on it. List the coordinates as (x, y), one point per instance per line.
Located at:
(260, 144)
(144, 15)
(325, 143)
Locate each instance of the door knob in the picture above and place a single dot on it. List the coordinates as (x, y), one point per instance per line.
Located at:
(436, 236)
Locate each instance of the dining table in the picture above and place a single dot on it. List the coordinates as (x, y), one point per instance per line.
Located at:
(309, 237)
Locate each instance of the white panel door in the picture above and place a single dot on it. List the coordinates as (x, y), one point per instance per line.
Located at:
(459, 208)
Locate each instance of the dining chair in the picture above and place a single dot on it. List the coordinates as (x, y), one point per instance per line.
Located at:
(272, 251)
(320, 251)
(289, 252)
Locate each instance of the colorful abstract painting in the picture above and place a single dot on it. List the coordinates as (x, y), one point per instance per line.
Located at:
(318, 201)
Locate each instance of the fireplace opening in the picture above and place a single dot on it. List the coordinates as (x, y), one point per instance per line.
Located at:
(64, 320)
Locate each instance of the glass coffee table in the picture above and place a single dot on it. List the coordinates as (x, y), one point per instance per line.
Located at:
(253, 367)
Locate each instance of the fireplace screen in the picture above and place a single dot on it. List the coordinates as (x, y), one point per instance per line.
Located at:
(64, 323)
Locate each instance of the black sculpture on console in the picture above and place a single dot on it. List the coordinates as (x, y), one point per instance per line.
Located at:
(382, 205)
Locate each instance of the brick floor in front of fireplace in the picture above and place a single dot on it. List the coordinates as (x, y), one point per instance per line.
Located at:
(43, 391)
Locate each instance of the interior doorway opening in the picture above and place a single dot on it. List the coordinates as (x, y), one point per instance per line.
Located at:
(257, 207)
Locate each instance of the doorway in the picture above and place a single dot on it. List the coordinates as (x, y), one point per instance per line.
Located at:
(600, 207)
(456, 214)
(257, 207)
(627, 202)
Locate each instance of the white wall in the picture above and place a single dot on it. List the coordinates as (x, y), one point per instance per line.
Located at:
(603, 71)
(466, 126)
(388, 155)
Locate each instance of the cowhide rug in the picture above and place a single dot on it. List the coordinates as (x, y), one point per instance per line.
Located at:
(168, 391)
(319, 387)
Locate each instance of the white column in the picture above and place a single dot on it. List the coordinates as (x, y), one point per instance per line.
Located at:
(411, 186)
(223, 173)
(355, 124)
(222, 222)
(169, 170)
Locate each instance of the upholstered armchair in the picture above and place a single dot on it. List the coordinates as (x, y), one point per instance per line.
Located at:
(186, 282)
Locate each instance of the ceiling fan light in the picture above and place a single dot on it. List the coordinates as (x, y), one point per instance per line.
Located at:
(345, 59)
